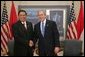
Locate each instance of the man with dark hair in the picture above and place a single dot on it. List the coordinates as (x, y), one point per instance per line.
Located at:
(23, 36)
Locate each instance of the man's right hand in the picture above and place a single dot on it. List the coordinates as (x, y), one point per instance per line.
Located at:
(31, 43)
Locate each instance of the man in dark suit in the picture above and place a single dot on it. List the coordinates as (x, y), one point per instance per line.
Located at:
(48, 35)
(23, 36)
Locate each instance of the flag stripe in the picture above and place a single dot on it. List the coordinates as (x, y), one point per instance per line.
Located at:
(71, 30)
(2, 33)
(4, 39)
(7, 25)
(74, 29)
(3, 49)
(68, 36)
(71, 34)
(4, 44)
(4, 30)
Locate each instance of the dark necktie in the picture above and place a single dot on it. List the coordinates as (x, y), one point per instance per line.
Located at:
(24, 25)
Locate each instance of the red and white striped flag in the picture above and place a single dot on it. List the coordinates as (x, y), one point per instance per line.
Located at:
(5, 30)
(71, 30)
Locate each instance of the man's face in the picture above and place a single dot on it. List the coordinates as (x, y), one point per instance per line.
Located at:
(22, 16)
(41, 15)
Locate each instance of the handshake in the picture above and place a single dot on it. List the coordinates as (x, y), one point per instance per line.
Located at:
(31, 43)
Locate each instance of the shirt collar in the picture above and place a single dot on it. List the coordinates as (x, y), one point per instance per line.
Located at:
(23, 22)
(44, 21)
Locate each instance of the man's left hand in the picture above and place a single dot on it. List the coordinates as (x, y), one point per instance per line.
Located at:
(56, 50)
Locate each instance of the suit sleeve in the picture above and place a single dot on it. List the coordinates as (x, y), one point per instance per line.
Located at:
(35, 34)
(17, 37)
(56, 35)
(31, 32)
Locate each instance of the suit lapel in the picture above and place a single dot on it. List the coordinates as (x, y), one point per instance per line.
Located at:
(21, 27)
(27, 25)
(46, 28)
(39, 28)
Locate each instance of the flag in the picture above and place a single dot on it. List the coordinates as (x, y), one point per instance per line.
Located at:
(80, 22)
(71, 29)
(13, 17)
(5, 30)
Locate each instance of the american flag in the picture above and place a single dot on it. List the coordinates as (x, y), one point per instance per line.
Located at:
(71, 30)
(5, 30)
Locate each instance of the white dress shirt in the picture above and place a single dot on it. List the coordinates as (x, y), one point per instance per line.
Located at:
(24, 24)
(41, 24)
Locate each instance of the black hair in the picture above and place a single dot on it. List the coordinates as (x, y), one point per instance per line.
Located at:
(22, 11)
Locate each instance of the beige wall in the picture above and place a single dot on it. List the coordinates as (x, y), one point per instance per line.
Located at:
(8, 3)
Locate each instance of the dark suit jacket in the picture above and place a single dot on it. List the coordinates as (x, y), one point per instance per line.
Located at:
(50, 39)
(21, 38)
